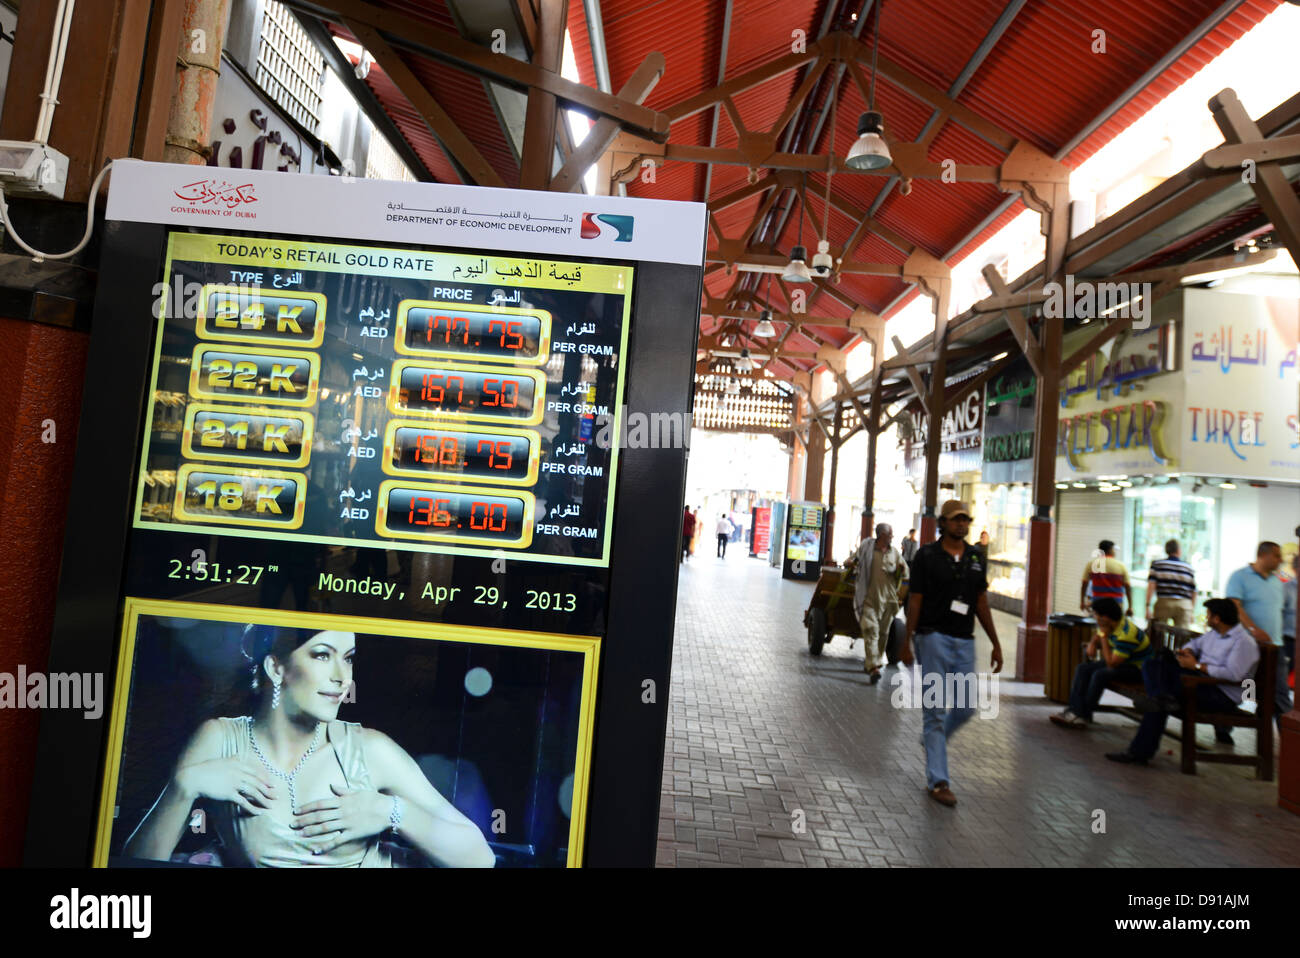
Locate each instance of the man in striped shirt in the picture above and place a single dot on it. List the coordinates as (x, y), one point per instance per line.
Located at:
(1124, 649)
(1171, 589)
(1107, 576)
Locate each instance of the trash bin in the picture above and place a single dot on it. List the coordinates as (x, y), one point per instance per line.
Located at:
(1066, 636)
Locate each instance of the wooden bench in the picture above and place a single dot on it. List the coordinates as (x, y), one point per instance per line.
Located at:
(1164, 636)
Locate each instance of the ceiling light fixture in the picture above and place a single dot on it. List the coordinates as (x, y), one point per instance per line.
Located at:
(744, 363)
(870, 151)
(797, 271)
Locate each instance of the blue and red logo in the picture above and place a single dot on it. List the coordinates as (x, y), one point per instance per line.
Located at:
(608, 225)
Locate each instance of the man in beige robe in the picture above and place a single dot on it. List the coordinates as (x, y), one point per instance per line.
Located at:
(881, 573)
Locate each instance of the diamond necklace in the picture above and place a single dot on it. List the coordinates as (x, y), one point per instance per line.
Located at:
(288, 777)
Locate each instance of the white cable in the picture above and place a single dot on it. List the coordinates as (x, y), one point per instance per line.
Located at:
(54, 69)
(49, 67)
(58, 68)
(90, 221)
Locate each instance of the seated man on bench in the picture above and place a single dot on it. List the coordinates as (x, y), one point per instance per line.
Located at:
(1124, 649)
(1226, 651)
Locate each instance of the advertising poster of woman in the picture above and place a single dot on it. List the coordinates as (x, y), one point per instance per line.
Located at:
(245, 737)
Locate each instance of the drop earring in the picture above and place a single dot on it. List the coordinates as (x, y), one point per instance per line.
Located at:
(275, 696)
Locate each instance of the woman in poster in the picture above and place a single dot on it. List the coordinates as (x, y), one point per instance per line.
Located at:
(291, 785)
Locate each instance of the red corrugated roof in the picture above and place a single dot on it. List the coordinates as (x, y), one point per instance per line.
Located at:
(461, 94)
(1041, 82)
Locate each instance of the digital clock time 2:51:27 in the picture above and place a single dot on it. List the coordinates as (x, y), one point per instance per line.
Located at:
(216, 572)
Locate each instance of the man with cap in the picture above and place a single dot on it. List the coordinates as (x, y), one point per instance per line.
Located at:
(948, 586)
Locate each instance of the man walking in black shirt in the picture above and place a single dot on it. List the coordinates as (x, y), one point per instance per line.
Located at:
(949, 582)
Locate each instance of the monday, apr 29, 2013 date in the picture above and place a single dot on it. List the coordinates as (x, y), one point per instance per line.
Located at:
(199, 570)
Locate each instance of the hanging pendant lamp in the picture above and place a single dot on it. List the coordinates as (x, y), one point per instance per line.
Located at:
(870, 151)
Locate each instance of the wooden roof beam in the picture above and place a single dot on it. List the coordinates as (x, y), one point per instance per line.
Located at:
(739, 84)
(600, 136)
(406, 32)
(449, 134)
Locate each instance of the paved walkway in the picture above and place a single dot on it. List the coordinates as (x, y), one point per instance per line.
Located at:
(762, 736)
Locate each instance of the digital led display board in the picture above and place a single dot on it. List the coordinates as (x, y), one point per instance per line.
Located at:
(355, 506)
(355, 364)
(805, 525)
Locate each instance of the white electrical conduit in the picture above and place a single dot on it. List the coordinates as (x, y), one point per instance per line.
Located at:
(54, 70)
(90, 221)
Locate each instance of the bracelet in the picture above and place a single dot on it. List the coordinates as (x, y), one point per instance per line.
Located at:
(395, 816)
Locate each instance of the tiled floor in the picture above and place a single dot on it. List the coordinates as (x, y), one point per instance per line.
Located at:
(762, 737)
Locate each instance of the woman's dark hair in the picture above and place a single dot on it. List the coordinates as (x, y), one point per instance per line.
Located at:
(1225, 609)
(1107, 607)
(259, 641)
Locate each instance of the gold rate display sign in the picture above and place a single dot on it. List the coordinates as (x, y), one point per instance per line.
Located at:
(344, 394)
(354, 474)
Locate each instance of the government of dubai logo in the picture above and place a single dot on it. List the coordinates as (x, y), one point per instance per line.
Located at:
(608, 225)
(216, 192)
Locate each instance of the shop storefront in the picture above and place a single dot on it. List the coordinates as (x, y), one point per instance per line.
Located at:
(1186, 430)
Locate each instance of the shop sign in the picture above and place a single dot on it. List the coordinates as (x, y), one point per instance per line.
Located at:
(1009, 425)
(1009, 448)
(1122, 364)
(248, 132)
(1123, 405)
(1132, 428)
(1239, 416)
(959, 431)
(1005, 389)
(959, 438)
